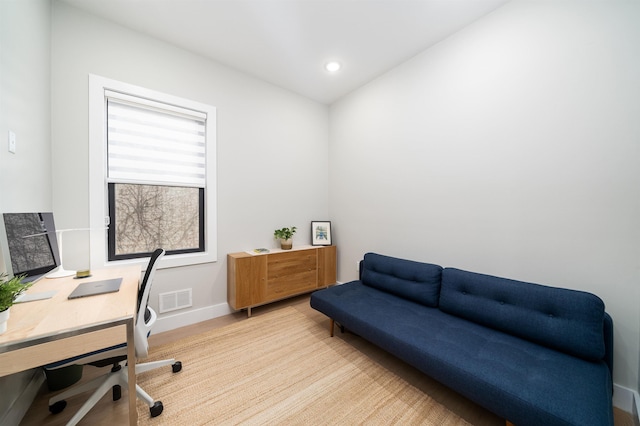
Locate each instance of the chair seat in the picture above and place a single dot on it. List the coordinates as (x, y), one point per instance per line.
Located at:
(91, 357)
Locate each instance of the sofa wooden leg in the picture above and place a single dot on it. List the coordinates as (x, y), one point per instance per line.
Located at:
(508, 423)
(331, 323)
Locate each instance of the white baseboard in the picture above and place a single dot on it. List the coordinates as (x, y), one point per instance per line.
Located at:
(181, 319)
(627, 400)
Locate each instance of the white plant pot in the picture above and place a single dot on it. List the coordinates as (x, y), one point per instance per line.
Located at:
(4, 317)
(286, 244)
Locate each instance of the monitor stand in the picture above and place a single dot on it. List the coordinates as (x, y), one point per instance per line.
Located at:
(60, 272)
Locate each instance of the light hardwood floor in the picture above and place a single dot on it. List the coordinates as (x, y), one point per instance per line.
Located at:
(107, 413)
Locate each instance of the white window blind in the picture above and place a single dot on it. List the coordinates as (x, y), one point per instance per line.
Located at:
(151, 142)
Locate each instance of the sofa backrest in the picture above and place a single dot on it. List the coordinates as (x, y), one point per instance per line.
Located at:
(411, 280)
(567, 320)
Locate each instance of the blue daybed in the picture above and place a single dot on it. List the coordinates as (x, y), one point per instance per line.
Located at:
(534, 355)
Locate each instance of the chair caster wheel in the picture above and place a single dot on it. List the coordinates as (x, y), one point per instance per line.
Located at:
(58, 407)
(117, 392)
(156, 409)
(176, 367)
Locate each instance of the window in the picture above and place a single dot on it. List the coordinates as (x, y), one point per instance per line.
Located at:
(151, 149)
(152, 159)
(145, 216)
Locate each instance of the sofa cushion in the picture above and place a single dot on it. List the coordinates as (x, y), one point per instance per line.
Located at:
(415, 281)
(563, 319)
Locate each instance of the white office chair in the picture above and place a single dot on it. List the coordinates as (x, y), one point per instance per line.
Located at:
(116, 356)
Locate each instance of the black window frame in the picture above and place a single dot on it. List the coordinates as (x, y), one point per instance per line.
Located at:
(111, 232)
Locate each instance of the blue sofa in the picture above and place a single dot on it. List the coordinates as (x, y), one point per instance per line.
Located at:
(532, 354)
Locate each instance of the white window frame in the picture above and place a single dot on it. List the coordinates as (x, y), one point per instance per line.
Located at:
(98, 203)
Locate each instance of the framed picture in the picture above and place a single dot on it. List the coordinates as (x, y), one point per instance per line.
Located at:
(321, 233)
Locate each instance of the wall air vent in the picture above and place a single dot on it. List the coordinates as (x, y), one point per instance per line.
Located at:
(174, 300)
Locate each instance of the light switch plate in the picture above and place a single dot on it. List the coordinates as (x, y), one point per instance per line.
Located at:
(12, 142)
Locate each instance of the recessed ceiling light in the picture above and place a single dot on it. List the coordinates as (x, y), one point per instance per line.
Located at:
(332, 66)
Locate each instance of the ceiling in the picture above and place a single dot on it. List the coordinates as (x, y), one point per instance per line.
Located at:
(287, 42)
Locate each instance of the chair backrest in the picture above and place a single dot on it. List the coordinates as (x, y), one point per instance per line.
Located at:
(146, 317)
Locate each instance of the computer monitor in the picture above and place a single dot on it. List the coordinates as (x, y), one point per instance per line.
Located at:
(32, 244)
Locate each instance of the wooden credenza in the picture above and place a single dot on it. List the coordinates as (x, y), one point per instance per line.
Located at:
(257, 279)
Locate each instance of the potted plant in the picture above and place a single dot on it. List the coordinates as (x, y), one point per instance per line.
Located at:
(10, 289)
(285, 235)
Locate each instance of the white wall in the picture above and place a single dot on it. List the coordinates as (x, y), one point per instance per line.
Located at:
(271, 145)
(25, 177)
(510, 148)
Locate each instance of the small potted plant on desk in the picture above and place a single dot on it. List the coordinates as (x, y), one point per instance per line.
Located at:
(285, 235)
(10, 289)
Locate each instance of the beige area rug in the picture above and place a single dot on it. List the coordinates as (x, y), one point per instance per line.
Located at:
(281, 368)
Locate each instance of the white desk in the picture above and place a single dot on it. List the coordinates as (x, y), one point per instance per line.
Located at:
(45, 331)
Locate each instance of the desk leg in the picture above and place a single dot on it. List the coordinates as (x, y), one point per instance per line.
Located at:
(131, 366)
